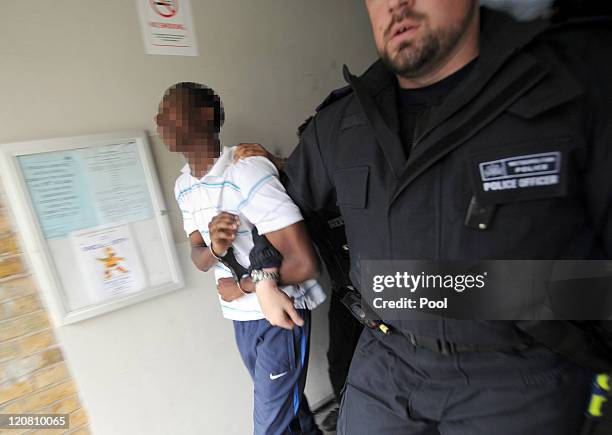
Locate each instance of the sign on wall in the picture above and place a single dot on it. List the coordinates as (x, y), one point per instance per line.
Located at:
(93, 220)
(167, 27)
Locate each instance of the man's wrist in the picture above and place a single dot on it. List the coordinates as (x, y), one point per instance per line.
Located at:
(215, 254)
(266, 286)
(258, 275)
(246, 285)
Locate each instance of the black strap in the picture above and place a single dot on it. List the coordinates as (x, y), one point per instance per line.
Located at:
(263, 254)
(237, 269)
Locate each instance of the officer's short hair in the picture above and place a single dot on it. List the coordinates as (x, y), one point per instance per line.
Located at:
(201, 96)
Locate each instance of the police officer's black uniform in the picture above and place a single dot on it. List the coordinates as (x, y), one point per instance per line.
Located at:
(534, 89)
(327, 232)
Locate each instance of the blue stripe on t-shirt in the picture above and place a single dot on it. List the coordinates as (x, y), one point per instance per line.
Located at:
(205, 184)
(254, 189)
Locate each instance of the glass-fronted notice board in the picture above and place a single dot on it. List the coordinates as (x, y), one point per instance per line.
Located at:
(92, 217)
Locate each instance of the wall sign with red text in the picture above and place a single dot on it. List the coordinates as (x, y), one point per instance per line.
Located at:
(167, 27)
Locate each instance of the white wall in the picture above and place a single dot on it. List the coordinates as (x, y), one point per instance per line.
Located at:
(72, 67)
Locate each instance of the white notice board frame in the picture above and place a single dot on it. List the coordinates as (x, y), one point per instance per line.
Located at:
(38, 247)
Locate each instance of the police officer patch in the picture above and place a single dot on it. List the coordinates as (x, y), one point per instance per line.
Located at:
(521, 172)
(515, 174)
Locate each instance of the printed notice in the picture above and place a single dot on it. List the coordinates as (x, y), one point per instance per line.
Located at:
(167, 27)
(109, 261)
(86, 187)
(116, 182)
(59, 192)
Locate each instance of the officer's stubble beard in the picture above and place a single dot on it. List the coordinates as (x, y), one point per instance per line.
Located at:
(434, 47)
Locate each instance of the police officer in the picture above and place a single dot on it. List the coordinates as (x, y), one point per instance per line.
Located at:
(327, 232)
(399, 151)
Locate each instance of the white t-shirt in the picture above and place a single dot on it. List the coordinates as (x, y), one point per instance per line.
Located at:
(249, 188)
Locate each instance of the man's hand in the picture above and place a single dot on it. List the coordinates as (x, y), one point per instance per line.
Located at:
(245, 150)
(277, 306)
(228, 289)
(222, 229)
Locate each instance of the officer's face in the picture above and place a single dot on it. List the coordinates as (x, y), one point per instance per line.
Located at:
(185, 128)
(414, 37)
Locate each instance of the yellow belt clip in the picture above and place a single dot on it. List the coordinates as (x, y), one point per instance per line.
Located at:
(384, 328)
(601, 391)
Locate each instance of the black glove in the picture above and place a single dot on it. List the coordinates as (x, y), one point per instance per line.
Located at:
(263, 254)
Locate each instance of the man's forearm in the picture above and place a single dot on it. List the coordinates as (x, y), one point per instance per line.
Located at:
(295, 270)
(299, 258)
(202, 258)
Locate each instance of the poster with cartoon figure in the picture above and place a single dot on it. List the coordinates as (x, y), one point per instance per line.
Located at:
(109, 261)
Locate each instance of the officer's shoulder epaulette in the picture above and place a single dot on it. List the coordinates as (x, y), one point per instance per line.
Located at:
(335, 95)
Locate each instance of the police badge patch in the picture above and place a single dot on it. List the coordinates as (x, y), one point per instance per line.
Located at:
(521, 172)
(514, 174)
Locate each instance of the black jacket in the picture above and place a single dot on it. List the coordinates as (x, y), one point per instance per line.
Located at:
(535, 89)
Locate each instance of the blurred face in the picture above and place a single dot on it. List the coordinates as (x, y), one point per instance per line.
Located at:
(185, 128)
(414, 37)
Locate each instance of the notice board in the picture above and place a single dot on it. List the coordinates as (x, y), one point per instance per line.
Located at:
(93, 221)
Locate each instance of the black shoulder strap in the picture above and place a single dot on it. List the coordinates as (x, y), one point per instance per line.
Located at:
(335, 95)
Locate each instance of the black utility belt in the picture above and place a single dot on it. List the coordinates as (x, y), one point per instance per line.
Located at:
(449, 348)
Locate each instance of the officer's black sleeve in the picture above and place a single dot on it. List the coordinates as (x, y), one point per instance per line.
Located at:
(599, 173)
(306, 176)
(600, 192)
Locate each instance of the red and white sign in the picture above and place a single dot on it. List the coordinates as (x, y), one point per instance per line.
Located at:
(166, 9)
(167, 27)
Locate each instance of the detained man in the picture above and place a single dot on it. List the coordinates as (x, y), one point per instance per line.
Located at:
(222, 203)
